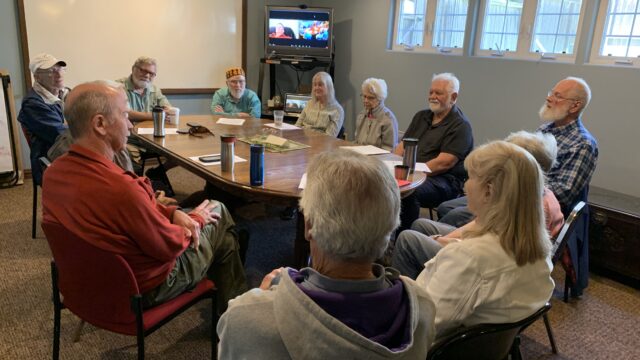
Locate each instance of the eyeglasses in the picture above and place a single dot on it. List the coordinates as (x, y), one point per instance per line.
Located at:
(53, 70)
(146, 72)
(558, 97)
(236, 82)
(368, 97)
(199, 131)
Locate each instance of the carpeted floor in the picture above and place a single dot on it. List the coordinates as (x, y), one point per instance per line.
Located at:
(603, 324)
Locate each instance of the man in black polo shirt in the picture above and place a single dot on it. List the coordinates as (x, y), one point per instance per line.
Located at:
(444, 141)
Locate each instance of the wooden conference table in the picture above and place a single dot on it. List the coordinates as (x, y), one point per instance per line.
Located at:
(283, 171)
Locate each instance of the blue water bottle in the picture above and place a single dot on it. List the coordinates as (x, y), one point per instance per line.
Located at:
(256, 172)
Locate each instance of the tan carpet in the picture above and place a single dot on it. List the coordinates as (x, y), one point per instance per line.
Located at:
(603, 324)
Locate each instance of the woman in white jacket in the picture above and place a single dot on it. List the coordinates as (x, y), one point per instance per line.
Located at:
(500, 270)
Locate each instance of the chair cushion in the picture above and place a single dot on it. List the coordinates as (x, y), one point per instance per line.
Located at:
(152, 316)
(158, 313)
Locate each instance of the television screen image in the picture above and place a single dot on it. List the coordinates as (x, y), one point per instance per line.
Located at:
(299, 32)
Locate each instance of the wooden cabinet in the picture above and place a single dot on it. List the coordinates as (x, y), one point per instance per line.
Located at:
(614, 235)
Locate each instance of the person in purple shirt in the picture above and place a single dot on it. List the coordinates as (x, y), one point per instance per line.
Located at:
(343, 306)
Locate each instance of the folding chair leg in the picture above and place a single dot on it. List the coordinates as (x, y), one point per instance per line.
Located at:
(57, 309)
(140, 347)
(34, 214)
(56, 333)
(214, 333)
(515, 349)
(136, 306)
(552, 340)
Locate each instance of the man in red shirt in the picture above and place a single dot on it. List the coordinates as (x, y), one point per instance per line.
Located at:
(168, 250)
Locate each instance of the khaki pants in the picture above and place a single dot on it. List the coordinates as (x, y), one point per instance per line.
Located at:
(217, 258)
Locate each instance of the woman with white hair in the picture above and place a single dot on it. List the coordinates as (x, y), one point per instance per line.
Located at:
(416, 246)
(376, 125)
(344, 306)
(500, 271)
(323, 112)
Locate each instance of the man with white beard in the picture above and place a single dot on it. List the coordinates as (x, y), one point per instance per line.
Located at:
(577, 150)
(444, 141)
(235, 99)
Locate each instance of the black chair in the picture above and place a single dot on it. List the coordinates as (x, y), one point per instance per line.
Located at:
(44, 164)
(485, 341)
(558, 248)
(568, 230)
(162, 172)
(341, 134)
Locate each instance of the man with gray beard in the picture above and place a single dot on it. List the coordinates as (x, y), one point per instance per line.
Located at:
(444, 141)
(142, 96)
(235, 99)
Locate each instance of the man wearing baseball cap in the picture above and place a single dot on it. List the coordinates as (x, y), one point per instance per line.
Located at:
(235, 99)
(41, 113)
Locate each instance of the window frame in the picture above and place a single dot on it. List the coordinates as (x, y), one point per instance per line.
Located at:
(429, 24)
(598, 40)
(526, 35)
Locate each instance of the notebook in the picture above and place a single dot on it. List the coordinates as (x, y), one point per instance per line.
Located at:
(295, 103)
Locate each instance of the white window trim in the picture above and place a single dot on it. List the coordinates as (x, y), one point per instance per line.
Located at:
(598, 38)
(429, 23)
(525, 36)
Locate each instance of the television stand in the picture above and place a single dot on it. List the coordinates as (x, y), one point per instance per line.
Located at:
(297, 60)
(310, 63)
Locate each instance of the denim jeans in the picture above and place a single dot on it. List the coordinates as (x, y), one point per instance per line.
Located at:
(415, 247)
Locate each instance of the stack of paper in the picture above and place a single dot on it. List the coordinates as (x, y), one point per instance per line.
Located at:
(234, 122)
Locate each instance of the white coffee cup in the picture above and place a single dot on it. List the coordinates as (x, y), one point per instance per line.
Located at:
(173, 116)
(278, 117)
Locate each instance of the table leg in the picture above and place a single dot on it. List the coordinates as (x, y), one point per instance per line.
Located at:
(300, 245)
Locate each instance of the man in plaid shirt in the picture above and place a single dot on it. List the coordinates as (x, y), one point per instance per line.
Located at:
(577, 148)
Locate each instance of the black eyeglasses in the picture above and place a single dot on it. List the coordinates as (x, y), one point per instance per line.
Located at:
(146, 72)
(199, 131)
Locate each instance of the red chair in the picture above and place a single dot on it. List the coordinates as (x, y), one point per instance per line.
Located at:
(99, 287)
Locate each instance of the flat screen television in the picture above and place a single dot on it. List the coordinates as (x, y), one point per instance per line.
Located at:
(298, 32)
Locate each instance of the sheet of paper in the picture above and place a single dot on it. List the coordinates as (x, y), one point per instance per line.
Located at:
(303, 181)
(419, 166)
(236, 159)
(275, 140)
(149, 131)
(366, 149)
(284, 126)
(226, 121)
